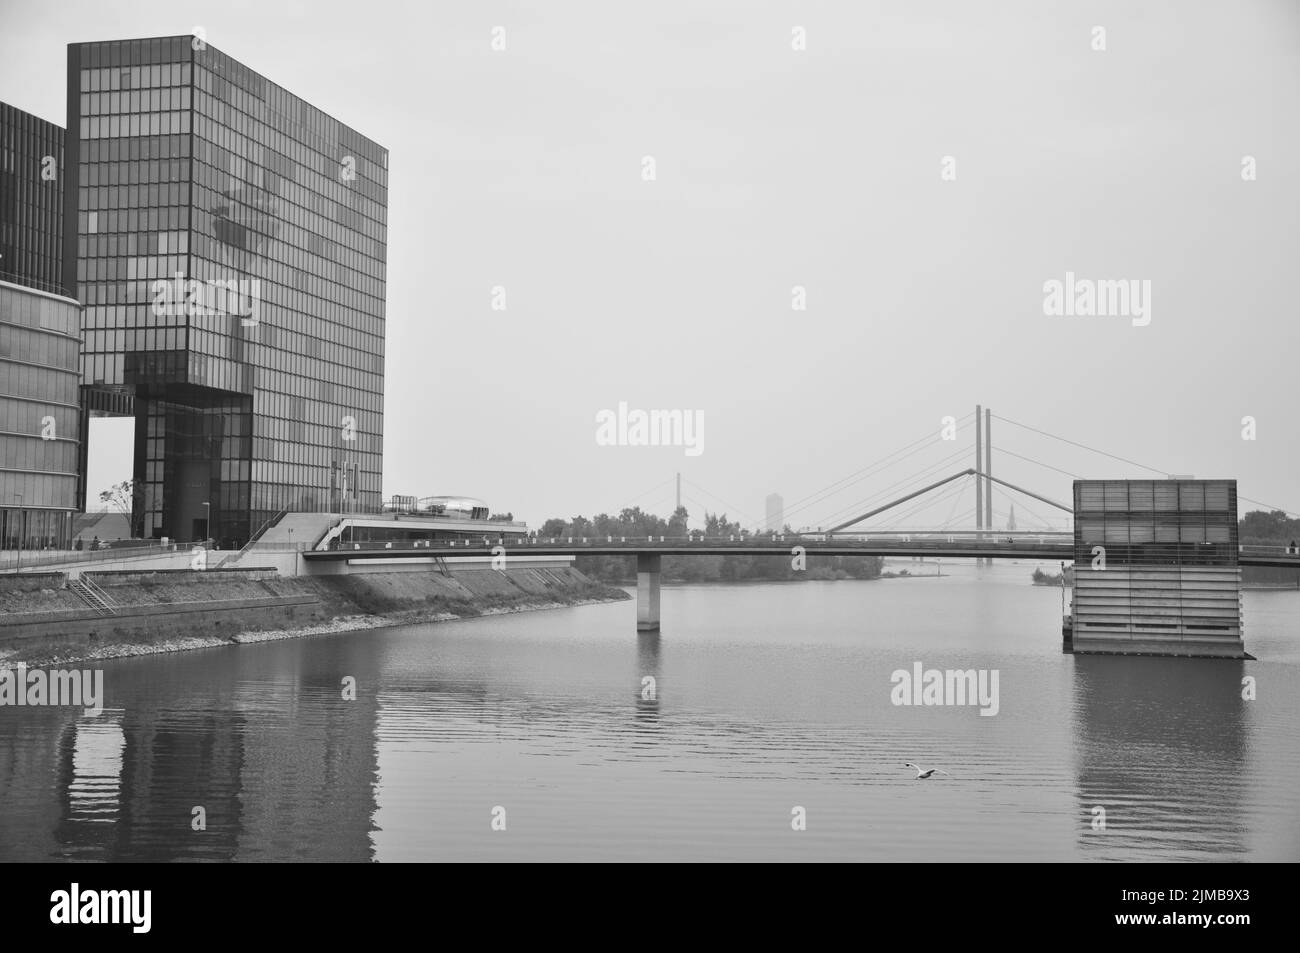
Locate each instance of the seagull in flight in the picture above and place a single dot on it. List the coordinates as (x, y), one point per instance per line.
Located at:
(923, 774)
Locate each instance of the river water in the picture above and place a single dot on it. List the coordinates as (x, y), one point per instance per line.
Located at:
(770, 709)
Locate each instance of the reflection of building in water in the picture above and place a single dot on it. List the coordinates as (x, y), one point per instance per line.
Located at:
(1160, 745)
(283, 766)
(307, 789)
(30, 743)
(173, 761)
(120, 786)
(92, 756)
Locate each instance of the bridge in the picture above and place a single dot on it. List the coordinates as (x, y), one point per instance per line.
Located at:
(1177, 572)
(1171, 587)
(917, 543)
(649, 552)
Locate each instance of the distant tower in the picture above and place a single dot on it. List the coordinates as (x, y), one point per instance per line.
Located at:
(775, 513)
(1011, 520)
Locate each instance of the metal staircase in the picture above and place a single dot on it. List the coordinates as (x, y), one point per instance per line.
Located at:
(92, 595)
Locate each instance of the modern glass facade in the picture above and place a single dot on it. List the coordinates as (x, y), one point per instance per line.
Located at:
(31, 201)
(39, 379)
(229, 242)
(39, 329)
(1156, 522)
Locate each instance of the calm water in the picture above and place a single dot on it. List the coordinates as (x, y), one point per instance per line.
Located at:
(767, 697)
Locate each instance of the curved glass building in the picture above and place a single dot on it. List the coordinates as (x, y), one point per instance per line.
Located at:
(39, 379)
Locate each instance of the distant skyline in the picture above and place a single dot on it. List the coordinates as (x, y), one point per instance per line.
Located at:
(842, 244)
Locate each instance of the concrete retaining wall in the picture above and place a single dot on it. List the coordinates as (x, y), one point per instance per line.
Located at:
(162, 610)
(71, 629)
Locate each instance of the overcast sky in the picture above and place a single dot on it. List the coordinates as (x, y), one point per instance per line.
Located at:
(778, 167)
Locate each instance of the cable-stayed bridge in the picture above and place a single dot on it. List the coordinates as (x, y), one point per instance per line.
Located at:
(1159, 583)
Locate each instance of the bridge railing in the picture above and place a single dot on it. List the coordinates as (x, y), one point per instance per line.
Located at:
(1254, 550)
(936, 541)
(27, 559)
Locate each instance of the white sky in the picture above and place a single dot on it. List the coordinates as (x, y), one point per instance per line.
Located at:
(777, 168)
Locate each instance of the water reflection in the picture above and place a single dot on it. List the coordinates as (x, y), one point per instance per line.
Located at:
(1161, 745)
(264, 742)
(780, 695)
(648, 667)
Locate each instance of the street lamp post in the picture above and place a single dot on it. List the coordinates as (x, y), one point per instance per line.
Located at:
(207, 522)
(18, 567)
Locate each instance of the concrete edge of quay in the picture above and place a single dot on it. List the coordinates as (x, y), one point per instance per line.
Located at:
(180, 611)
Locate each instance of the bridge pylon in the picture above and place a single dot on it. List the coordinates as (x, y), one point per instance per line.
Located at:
(648, 571)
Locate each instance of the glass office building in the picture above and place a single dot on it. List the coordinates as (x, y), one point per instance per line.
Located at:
(38, 417)
(39, 328)
(228, 241)
(31, 201)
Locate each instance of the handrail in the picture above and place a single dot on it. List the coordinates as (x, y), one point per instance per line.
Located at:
(30, 559)
(90, 593)
(13, 278)
(933, 540)
(263, 528)
(98, 591)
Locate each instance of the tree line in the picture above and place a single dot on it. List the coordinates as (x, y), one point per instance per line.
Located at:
(636, 523)
(1258, 528)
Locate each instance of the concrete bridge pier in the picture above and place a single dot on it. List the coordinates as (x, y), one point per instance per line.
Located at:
(647, 593)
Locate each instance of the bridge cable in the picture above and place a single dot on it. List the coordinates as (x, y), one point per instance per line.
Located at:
(894, 490)
(1103, 453)
(704, 507)
(735, 509)
(879, 465)
(824, 497)
(956, 489)
(929, 438)
(1045, 466)
(1082, 446)
(957, 499)
(904, 483)
(627, 506)
(1269, 506)
(896, 520)
(1025, 507)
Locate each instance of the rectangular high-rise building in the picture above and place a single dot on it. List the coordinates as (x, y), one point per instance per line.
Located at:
(228, 241)
(31, 201)
(775, 520)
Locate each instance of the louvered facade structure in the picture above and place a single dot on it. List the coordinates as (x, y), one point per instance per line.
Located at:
(1156, 568)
